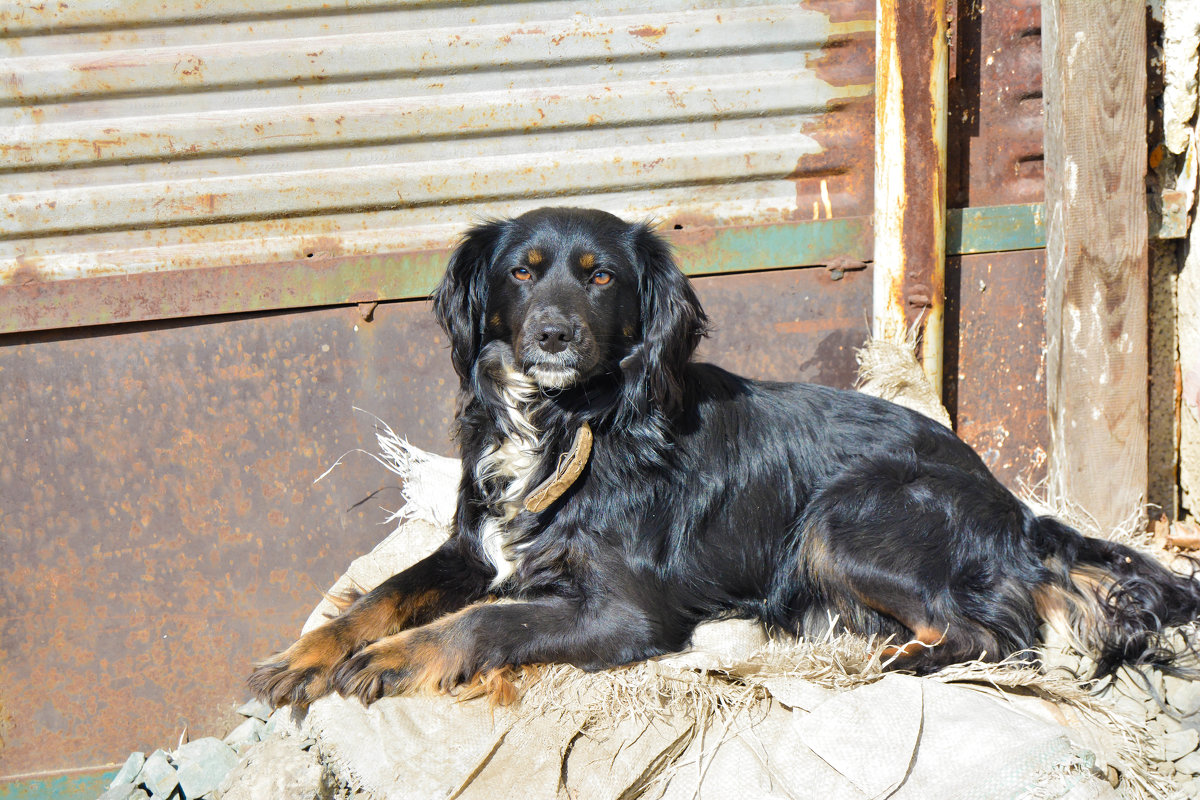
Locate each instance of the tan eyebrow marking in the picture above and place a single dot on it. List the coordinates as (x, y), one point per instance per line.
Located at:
(587, 260)
(534, 257)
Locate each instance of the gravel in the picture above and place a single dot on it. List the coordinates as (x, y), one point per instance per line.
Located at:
(198, 768)
(267, 755)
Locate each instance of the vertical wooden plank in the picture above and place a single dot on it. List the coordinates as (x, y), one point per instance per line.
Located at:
(1094, 59)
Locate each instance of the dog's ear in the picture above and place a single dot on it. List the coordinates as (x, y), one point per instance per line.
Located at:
(461, 297)
(672, 320)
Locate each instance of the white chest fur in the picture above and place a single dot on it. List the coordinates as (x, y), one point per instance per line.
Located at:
(511, 464)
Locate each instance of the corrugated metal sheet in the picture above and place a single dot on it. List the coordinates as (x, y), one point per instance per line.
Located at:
(154, 136)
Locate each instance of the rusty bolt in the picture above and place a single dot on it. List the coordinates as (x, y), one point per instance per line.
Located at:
(367, 310)
(840, 265)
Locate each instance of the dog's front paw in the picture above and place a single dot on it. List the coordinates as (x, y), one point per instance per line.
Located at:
(302, 673)
(400, 664)
(368, 678)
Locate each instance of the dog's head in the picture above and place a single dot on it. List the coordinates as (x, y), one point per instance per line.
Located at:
(576, 294)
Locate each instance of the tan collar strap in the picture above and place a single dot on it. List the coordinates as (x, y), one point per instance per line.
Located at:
(570, 464)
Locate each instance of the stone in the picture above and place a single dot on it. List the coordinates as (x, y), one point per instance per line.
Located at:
(1189, 764)
(1179, 744)
(1162, 725)
(283, 721)
(246, 734)
(1183, 695)
(1134, 708)
(1157, 683)
(124, 791)
(131, 768)
(255, 708)
(202, 765)
(158, 775)
(277, 767)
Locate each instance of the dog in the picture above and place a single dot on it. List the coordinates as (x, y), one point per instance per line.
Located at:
(615, 494)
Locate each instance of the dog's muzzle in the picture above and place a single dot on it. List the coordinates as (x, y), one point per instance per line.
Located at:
(556, 350)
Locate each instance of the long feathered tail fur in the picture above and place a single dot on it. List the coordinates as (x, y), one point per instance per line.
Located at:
(1115, 601)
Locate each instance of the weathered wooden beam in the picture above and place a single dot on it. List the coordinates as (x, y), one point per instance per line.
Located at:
(911, 58)
(1094, 67)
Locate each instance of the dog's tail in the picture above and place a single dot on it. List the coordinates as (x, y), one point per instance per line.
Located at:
(1116, 602)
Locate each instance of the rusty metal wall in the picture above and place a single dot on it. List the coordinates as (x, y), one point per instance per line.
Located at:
(996, 304)
(792, 325)
(160, 526)
(173, 136)
(995, 124)
(995, 332)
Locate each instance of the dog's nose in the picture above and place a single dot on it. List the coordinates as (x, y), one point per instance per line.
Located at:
(553, 337)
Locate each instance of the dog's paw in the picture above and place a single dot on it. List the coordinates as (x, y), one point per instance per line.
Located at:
(369, 678)
(401, 664)
(300, 674)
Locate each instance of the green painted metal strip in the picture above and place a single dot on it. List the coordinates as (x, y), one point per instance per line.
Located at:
(77, 786)
(995, 229)
(709, 251)
(114, 299)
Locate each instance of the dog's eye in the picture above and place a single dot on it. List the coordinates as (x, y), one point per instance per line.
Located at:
(602, 277)
(522, 274)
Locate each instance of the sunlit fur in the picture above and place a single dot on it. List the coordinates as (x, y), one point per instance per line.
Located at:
(706, 495)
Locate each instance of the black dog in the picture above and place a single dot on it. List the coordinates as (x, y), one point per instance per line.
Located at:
(618, 495)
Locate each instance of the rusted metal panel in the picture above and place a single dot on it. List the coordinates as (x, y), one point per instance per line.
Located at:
(160, 527)
(995, 370)
(996, 365)
(208, 141)
(995, 125)
(910, 177)
(792, 325)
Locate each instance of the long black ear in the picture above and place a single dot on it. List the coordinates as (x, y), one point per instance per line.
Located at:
(672, 321)
(461, 298)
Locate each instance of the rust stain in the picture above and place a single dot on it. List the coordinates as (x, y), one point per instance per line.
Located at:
(25, 274)
(649, 32)
(111, 62)
(805, 326)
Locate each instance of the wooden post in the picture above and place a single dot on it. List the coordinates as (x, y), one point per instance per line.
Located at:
(1094, 68)
(910, 177)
